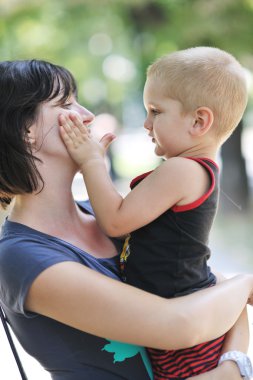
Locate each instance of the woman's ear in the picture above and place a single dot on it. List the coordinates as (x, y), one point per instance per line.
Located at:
(203, 121)
(30, 136)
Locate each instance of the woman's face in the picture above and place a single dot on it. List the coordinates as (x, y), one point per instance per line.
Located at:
(47, 137)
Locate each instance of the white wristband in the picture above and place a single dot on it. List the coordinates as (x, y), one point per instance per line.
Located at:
(242, 360)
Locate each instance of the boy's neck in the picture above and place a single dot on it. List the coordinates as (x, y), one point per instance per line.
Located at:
(202, 151)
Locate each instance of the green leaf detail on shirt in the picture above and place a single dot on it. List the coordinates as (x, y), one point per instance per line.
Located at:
(124, 351)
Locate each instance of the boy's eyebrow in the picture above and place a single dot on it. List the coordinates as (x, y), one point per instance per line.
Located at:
(153, 105)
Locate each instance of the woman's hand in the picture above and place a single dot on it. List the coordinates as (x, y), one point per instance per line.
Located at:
(228, 370)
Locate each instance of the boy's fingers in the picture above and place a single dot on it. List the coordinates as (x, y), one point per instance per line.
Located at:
(65, 123)
(73, 131)
(106, 140)
(77, 122)
(66, 139)
(69, 127)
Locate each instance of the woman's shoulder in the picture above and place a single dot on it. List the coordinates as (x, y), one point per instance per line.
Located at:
(24, 246)
(25, 253)
(21, 242)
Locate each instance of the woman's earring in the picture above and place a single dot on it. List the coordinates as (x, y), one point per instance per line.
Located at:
(29, 139)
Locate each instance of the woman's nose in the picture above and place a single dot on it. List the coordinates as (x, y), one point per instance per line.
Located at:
(86, 115)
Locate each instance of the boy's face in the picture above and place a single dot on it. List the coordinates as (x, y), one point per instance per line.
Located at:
(167, 125)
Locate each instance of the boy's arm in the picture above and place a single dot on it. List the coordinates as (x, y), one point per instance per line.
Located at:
(175, 181)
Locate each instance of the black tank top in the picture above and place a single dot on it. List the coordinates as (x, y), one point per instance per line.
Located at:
(168, 256)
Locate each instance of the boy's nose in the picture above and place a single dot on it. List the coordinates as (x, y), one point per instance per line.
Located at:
(147, 124)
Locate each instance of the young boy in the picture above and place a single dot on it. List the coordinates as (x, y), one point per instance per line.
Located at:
(194, 99)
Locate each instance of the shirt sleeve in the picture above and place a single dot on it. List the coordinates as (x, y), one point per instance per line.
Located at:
(20, 263)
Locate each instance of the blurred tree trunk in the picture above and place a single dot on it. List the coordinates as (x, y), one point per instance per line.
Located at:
(146, 17)
(234, 181)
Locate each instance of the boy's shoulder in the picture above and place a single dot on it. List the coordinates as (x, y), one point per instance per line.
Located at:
(182, 166)
(190, 178)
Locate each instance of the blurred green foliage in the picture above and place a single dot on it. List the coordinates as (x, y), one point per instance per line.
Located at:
(108, 44)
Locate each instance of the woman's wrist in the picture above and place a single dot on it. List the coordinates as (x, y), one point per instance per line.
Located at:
(229, 370)
(225, 371)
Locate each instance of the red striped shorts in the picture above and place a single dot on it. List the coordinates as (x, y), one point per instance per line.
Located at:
(181, 364)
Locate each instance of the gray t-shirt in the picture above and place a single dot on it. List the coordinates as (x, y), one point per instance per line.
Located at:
(67, 353)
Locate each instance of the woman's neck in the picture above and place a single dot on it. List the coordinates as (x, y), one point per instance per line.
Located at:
(55, 213)
(52, 206)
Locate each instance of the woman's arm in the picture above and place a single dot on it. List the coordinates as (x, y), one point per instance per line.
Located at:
(89, 301)
(237, 338)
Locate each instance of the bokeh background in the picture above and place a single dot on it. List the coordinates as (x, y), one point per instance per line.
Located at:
(108, 45)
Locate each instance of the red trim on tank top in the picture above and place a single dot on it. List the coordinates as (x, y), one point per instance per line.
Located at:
(201, 200)
(139, 178)
(198, 202)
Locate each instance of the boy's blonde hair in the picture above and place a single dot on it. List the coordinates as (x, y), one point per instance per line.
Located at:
(205, 76)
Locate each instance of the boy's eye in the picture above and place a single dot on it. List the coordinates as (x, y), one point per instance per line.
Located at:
(154, 111)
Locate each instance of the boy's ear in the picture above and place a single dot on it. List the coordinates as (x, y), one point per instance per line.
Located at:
(203, 121)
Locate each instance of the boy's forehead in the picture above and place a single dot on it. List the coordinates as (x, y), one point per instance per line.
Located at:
(148, 91)
(150, 86)
(152, 81)
(153, 89)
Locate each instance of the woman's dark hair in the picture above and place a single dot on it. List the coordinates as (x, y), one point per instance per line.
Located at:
(24, 85)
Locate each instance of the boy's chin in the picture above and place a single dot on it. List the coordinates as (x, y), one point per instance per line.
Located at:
(158, 152)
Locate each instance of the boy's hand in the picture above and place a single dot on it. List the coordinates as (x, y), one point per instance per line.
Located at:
(80, 144)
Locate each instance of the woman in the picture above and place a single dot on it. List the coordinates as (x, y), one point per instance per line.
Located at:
(59, 283)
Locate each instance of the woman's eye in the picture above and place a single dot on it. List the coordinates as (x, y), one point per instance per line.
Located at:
(66, 105)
